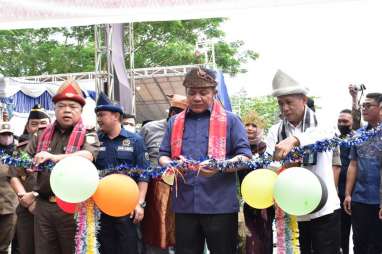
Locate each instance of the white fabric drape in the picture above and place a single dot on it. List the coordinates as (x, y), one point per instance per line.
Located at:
(10, 86)
(50, 13)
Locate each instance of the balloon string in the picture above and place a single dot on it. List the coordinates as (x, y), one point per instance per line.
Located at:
(175, 171)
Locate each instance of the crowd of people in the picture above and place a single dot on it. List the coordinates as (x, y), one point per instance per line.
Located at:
(197, 211)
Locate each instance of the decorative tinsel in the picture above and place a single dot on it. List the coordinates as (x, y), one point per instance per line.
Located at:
(87, 216)
(87, 219)
(24, 161)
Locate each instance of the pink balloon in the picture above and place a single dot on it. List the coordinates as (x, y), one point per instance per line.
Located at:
(66, 206)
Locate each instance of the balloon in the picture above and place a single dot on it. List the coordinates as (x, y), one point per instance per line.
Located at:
(297, 191)
(257, 188)
(117, 195)
(65, 206)
(324, 195)
(74, 179)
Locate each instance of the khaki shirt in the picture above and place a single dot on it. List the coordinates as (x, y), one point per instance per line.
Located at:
(58, 146)
(8, 198)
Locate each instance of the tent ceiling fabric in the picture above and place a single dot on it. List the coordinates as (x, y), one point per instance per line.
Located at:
(16, 14)
(151, 100)
(152, 86)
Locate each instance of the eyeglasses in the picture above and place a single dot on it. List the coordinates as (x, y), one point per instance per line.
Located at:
(367, 106)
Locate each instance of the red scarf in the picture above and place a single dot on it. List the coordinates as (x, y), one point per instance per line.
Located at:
(217, 137)
(76, 139)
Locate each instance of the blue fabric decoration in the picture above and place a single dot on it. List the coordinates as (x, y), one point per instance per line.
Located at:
(23, 103)
(92, 94)
(223, 92)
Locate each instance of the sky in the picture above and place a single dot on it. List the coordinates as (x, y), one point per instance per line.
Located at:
(324, 47)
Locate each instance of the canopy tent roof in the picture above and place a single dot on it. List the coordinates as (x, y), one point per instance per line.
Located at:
(152, 86)
(16, 14)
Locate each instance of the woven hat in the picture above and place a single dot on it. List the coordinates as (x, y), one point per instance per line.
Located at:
(253, 118)
(69, 90)
(283, 84)
(200, 78)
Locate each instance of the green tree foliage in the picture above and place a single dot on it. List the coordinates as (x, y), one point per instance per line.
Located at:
(64, 50)
(173, 43)
(46, 51)
(266, 107)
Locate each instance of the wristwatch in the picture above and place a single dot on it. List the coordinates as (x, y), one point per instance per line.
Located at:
(143, 204)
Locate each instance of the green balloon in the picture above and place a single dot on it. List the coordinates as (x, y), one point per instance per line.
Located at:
(74, 179)
(297, 191)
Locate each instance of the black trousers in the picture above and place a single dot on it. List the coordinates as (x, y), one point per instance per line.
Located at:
(345, 229)
(118, 235)
(367, 229)
(321, 235)
(219, 230)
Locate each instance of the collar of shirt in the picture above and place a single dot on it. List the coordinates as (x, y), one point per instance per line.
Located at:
(123, 133)
(291, 129)
(189, 112)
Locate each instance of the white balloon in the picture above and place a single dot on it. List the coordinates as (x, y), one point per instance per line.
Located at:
(74, 179)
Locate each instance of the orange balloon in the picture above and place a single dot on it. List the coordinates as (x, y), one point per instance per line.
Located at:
(117, 195)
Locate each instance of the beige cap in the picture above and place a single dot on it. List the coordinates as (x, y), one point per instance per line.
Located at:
(5, 127)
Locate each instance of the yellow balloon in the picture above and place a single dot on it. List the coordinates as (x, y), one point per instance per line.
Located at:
(257, 188)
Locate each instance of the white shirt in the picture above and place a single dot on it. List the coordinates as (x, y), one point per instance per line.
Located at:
(323, 168)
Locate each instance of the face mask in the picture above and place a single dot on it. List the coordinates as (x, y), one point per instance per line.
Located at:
(129, 128)
(6, 140)
(344, 129)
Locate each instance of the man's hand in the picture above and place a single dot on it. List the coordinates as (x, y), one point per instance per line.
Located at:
(30, 170)
(205, 170)
(44, 156)
(138, 214)
(347, 204)
(284, 147)
(32, 208)
(27, 199)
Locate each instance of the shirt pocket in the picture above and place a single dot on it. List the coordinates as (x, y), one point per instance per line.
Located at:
(125, 157)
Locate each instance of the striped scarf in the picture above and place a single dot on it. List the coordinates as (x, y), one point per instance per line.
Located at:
(76, 139)
(217, 137)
